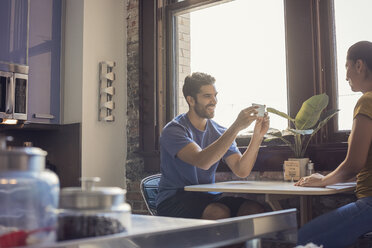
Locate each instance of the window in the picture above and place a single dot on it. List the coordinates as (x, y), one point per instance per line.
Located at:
(353, 21)
(242, 44)
(307, 55)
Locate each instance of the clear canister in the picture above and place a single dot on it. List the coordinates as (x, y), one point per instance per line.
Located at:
(28, 197)
(92, 211)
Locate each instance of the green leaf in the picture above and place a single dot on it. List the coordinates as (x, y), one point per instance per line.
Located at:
(273, 136)
(310, 115)
(287, 132)
(273, 130)
(328, 114)
(277, 112)
(302, 132)
(324, 119)
(310, 111)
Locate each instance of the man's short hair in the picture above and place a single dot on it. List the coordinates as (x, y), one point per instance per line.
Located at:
(194, 82)
(361, 50)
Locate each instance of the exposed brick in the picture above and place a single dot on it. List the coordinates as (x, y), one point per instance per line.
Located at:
(133, 186)
(184, 29)
(184, 61)
(134, 163)
(139, 205)
(132, 4)
(134, 196)
(143, 212)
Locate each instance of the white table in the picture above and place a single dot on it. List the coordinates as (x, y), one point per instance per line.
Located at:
(274, 191)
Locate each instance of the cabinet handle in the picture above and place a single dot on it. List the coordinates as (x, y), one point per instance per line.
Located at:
(43, 116)
(10, 95)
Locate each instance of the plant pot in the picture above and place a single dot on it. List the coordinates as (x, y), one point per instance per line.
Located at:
(303, 163)
(295, 168)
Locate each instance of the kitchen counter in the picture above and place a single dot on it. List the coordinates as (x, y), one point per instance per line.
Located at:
(155, 231)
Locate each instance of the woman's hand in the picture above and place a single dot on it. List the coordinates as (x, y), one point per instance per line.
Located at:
(314, 180)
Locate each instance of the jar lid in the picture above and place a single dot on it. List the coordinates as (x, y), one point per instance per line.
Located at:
(30, 151)
(22, 159)
(26, 150)
(89, 197)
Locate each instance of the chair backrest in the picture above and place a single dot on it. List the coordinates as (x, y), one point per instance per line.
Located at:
(367, 235)
(149, 190)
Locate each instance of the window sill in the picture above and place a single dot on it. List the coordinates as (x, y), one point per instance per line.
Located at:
(326, 157)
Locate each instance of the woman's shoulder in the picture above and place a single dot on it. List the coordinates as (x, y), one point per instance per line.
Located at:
(364, 105)
(365, 99)
(367, 96)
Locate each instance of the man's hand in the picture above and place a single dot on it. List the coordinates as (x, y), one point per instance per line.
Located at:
(245, 118)
(314, 180)
(262, 125)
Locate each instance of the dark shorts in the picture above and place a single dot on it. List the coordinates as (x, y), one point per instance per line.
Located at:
(186, 204)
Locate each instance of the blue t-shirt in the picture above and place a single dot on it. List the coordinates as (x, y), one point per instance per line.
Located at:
(176, 174)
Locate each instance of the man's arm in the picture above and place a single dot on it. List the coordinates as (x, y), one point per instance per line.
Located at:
(242, 166)
(205, 158)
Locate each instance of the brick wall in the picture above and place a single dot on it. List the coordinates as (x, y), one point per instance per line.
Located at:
(184, 62)
(134, 164)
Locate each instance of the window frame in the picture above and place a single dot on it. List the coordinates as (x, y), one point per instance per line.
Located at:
(311, 67)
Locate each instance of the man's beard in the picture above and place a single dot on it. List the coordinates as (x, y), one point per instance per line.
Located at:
(202, 112)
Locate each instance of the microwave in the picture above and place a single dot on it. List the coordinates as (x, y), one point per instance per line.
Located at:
(13, 93)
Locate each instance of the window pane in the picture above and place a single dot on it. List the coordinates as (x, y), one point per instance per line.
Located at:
(242, 44)
(353, 22)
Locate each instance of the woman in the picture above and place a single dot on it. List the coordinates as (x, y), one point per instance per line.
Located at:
(343, 226)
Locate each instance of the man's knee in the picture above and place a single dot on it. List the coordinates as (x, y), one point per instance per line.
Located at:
(250, 207)
(215, 211)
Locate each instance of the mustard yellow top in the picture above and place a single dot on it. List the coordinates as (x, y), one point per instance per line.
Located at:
(364, 178)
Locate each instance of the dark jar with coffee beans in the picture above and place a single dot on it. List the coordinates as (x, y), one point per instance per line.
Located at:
(92, 211)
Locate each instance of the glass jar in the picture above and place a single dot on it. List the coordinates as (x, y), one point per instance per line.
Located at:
(28, 197)
(92, 211)
(310, 168)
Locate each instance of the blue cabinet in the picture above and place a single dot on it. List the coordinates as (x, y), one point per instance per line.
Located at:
(13, 59)
(13, 32)
(44, 55)
(30, 35)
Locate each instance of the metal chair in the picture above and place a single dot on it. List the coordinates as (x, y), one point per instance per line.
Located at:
(367, 235)
(149, 189)
(365, 240)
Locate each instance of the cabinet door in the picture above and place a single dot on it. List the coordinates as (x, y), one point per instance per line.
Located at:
(13, 31)
(44, 61)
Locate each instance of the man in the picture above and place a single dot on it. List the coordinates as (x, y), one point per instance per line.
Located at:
(191, 146)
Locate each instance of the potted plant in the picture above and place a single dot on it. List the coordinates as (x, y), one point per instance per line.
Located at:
(308, 121)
